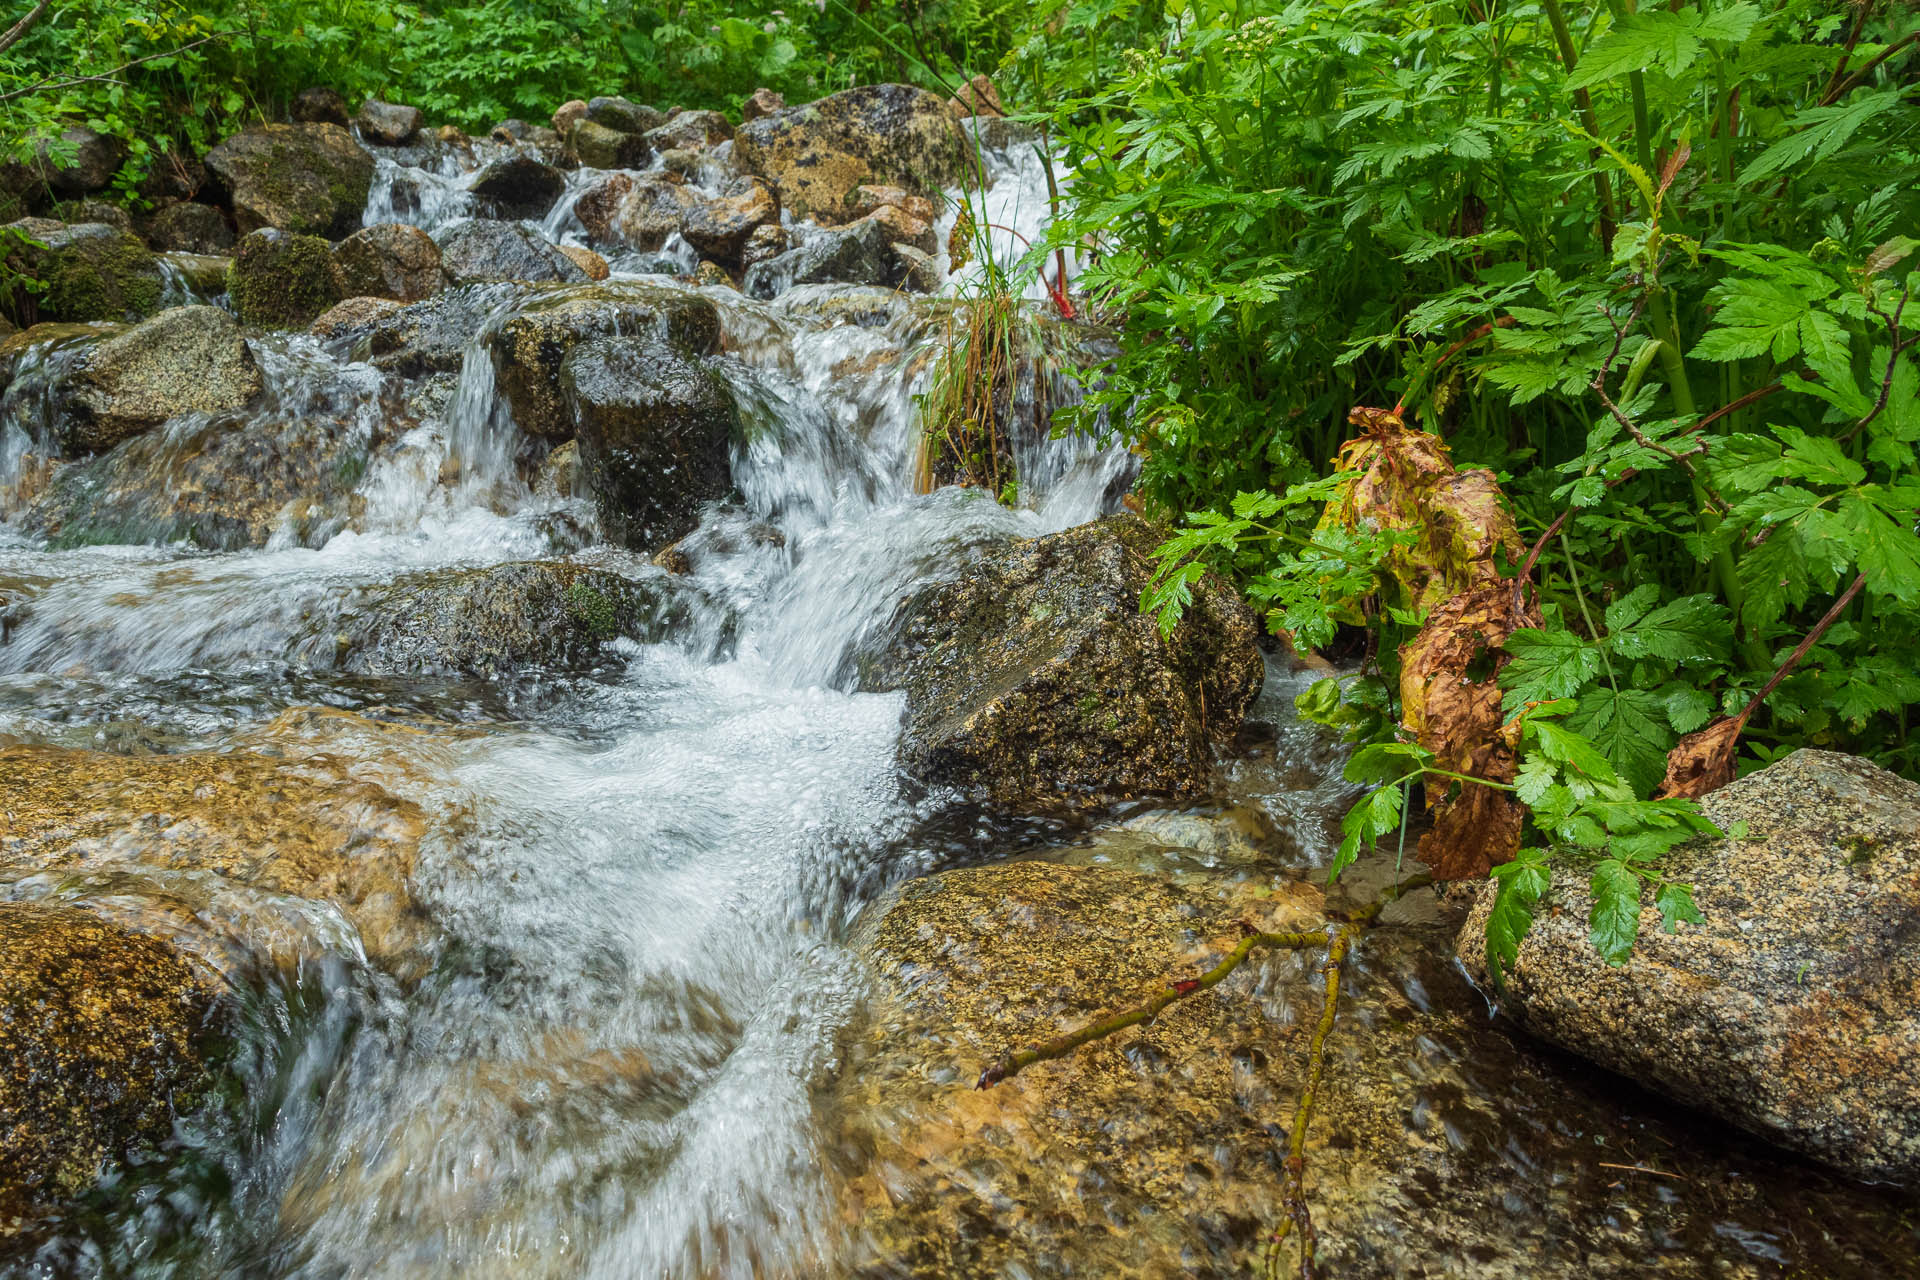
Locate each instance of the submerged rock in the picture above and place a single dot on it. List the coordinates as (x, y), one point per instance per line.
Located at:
(105, 1036)
(655, 432)
(186, 360)
(1793, 1008)
(1034, 679)
(516, 186)
(278, 280)
(817, 155)
(500, 621)
(194, 844)
(222, 482)
(390, 260)
(306, 178)
(483, 249)
(92, 272)
(529, 349)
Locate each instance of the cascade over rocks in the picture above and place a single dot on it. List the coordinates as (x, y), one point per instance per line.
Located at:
(1792, 1009)
(356, 316)
(516, 186)
(1034, 679)
(655, 431)
(104, 1038)
(817, 155)
(391, 260)
(857, 254)
(388, 123)
(306, 178)
(278, 280)
(633, 213)
(185, 360)
(529, 349)
(432, 336)
(92, 272)
(482, 249)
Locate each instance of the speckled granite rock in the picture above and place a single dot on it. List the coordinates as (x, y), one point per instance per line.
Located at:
(1793, 1009)
(1035, 679)
(187, 359)
(103, 1034)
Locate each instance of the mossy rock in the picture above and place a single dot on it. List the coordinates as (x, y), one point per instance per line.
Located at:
(304, 178)
(1034, 681)
(106, 1036)
(278, 280)
(529, 349)
(91, 271)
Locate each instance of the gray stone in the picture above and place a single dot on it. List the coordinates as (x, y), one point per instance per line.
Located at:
(693, 130)
(388, 123)
(1793, 1008)
(186, 360)
(481, 249)
(190, 228)
(92, 272)
(1034, 679)
(859, 254)
(620, 115)
(655, 432)
(96, 159)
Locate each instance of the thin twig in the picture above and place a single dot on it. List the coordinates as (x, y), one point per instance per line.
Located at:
(1638, 1168)
(23, 26)
(107, 76)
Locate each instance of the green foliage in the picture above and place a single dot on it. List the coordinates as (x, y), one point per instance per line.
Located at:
(1663, 294)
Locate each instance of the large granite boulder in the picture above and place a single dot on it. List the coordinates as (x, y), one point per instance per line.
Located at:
(599, 147)
(1035, 680)
(92, 272)
(306, 178)
(433, 336)
(185, 360)
(529, 349)
(625, 212)
(620, 115)
(516, 186)
(691, 131)
(476, 250)
(105, 1037)
(279, 280)
(655, 431)
(391, 260)
(498, 622)
(817, 155)
(858, 254)
(1792, 1008)
(96, 158)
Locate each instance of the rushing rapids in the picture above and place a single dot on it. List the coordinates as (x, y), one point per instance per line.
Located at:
(591, 1020)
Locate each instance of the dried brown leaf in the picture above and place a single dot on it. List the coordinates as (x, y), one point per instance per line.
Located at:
(1702, 761)
(1450, 704)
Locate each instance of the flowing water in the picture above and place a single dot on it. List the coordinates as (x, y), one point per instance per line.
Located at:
(645, 876)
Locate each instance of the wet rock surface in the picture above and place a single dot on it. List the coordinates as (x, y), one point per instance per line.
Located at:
(432, 336)
(818, 154)
(481, 249)
(191, 228)
(517, 186)
(529, 349)
(104, 1038)
(1034, 678)
(1793, 1008)
(387, 123)
(500, 621)
(184, 360)
(1436, 1147)
(720, 228)
(306, 178)
(655, 430)
(600, 147)
(390, 260)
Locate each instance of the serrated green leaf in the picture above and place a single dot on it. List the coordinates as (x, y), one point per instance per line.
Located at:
(1629, 728)
(1817, 133)
(1690, 629)
(1688, 708)
(1660, 39)
(1546, 665)
(1614, 922)
(1676, 905)
(1519, 885)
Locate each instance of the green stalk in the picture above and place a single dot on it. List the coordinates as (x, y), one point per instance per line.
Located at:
(1563, 38)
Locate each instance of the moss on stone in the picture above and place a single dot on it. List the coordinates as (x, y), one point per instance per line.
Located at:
(91, 272)
(282, 281)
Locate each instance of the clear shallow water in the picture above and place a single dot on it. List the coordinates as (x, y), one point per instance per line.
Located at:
(645, 876)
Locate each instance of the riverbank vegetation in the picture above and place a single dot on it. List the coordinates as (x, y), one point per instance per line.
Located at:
(1552, 366)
